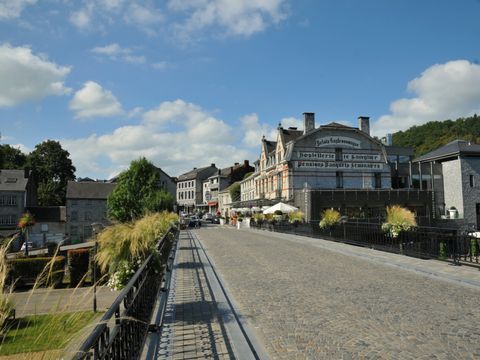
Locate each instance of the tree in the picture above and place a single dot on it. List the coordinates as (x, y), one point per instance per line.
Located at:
(137, 192)
(234, 191)
(11, 158)
(53, 169)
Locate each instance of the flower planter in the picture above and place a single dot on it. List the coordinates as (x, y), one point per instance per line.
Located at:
(222, 221)
(239, 224)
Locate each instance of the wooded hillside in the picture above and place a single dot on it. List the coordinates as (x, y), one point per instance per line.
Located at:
(434, 134)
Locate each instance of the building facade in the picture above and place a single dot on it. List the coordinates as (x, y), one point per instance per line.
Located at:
(333, 165)
(86, 204)
(190, 188)
(17, 192)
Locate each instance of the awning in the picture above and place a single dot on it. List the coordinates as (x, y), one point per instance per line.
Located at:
(212, 203)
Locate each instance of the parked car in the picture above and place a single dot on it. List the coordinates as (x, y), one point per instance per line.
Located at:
(194, 221)
(216, 220)
(208, 217)
(30, 246)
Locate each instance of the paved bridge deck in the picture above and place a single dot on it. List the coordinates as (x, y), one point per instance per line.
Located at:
(313, 299)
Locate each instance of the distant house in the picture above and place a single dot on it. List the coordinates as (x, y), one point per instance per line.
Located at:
(86, 204)
(220, 181)
(17, 191)
(50, 224)
(190, 187)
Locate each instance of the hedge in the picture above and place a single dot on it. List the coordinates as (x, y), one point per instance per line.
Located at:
(23, 271)
(78, 264)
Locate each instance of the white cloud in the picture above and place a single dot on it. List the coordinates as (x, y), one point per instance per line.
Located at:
(196, 138)
(243, 17)
(443, 91)
(82, 18)
(25, 76)
(94, 101)
(11, 9)
(145, 18)
(254, 130)
(161, 65)
(115, 52)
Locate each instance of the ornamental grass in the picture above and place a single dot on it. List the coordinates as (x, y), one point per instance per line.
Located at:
(398, 219)
(132, 241)
(296, 217)
(330, 217)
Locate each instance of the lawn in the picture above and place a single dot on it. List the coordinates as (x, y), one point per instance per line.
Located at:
(43, 332)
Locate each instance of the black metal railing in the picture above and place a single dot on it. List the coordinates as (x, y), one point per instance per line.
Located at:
(122, 330)
(422, 242)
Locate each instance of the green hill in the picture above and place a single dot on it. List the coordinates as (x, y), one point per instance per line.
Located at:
(434, 134)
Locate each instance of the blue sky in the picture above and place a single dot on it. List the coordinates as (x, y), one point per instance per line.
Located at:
(190, 82)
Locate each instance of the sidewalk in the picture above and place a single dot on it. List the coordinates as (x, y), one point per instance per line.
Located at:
(200, 322)
(440, 270)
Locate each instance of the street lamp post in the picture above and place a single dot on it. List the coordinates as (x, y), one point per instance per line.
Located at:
(96, 227)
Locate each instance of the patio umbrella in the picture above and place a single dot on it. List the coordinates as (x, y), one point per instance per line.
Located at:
(284, 208)
(256, 209)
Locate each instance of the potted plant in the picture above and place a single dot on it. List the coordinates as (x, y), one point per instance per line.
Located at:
(222, 220)
(398, 219)
(330, 218)
(453, 212)
(296, 218)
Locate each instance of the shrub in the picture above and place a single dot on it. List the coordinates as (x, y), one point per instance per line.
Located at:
(398, 219)
(47, 271)
(296, 217)
(259, 218)
(330, 217)
(78, 261)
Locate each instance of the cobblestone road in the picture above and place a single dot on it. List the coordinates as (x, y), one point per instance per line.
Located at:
(311, 303)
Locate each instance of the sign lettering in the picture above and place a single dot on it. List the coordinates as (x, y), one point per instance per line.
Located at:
(337, 141)
(338, 165)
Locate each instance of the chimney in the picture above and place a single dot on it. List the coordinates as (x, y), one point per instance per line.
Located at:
(212, 165)
(364, 124)
(308, 122)
(246, 163)
(235, 164)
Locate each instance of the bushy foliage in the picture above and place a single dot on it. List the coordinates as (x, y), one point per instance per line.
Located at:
(53, 169)
(259, 218)
(40, 271)
(398, 219)
(131, 242)
(11, 157)
(234, 191)
(78, 265)
(6, 305)
(137, 193)
(296, 217)
(330, 217)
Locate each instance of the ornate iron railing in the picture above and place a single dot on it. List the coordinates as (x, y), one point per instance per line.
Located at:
(122, 330)
(422, 242)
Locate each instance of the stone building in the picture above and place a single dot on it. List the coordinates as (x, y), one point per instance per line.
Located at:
(17, 192)
(190, 187)
(86, 204)
(50, 224)
(453, 171)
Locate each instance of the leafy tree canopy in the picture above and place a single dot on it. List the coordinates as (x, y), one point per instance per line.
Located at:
(53, 169)
(11, 158)
(235, 191)
(137, 192)
(434, 134)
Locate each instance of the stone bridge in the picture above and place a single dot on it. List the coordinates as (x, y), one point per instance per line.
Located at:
(250, 294)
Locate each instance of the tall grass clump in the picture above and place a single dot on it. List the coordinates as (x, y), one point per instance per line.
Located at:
(123, 247)
(330, 217)
(296, 217)
(398, 219)
(6, 305)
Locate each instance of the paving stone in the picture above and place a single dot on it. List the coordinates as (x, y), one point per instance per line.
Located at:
(307, 302)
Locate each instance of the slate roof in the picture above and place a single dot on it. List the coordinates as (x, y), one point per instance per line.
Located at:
(451, 150)
(290, 134)
(192, 174)
(89, 190)
(271, 146)
(13, 180)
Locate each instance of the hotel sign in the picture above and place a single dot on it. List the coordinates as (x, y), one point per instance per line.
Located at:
(338, 165)
(310, 155)
(337, 141)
